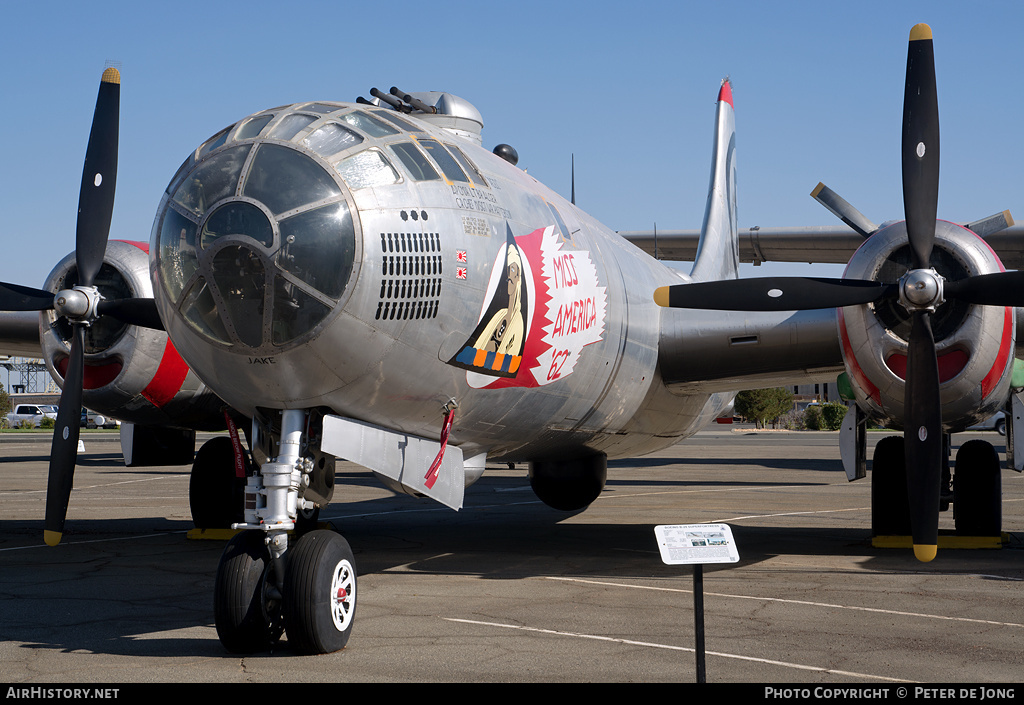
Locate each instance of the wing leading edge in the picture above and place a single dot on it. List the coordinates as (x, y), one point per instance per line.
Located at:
(814, 245)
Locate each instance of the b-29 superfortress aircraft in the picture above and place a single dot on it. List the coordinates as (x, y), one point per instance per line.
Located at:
(366, 281)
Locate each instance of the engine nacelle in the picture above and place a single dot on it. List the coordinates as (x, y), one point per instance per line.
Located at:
(974, 344)
(569, 484)
(133, 374)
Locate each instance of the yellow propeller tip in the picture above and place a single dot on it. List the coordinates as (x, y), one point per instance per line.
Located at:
(925, 552)
(661, 296)
(52, 538)
(817, 190)
(920, 31)
(111, 75)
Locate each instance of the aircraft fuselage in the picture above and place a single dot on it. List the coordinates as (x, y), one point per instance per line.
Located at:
(454, 278)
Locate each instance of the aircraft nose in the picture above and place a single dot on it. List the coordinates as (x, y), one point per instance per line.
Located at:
(255, 244)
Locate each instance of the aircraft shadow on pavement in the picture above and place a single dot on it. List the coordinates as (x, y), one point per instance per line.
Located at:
(106, 593)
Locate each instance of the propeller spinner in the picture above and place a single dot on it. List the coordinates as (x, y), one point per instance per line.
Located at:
(921, 290)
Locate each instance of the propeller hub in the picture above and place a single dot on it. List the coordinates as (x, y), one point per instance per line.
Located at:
(921, 290)
(78, 304)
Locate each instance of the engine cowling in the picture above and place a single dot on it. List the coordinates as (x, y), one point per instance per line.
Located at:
(974, 344)
(131, 373)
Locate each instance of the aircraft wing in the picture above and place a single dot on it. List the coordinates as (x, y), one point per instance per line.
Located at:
(824, 244)
(19, 334)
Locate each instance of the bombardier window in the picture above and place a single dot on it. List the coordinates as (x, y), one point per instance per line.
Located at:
(178, 260)
(295, 312)
(212, 180)
(368, 124)
(237, 218)
(200, 310)
(367, 168)
(415, 162)
(241, 278)
(331, 139)
(444, 160)
(307, 236)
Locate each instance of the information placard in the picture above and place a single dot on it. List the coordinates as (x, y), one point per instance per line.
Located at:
(696, 543)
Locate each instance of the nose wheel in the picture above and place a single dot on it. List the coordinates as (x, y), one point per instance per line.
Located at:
(320, 593)
(316, 608)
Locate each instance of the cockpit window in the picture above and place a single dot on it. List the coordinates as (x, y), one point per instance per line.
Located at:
(216, 141)
(212, 180)
(368, 124)
(331, 138)
(392, 116)
(467, 165)
(284, 179)
(253, 127)
(418, 166)
(321, 108)
(290, 126)
(367, 168)
(444, 160)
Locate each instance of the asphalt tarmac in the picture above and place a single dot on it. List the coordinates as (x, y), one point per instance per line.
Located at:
(508, 590)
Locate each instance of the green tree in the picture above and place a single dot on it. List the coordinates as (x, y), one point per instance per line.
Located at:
(5, 402)
(763, 405)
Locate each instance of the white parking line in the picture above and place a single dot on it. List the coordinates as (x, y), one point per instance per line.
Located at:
(653, 645)
(806, 603)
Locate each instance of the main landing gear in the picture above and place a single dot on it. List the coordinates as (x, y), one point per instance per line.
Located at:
(976, 494)
(272, 582)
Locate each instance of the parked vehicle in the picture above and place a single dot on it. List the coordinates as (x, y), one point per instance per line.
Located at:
(995, 423)
(93, 419)
(34, 413)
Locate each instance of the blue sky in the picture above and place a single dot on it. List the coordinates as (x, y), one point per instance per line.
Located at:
(628, 88)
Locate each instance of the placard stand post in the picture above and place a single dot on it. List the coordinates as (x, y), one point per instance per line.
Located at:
(697, 544)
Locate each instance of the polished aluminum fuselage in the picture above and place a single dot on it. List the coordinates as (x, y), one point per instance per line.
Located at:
(428, 258)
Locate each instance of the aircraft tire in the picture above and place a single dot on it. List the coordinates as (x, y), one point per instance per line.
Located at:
(977, 492)
(319, 593)
(214, 493)
(890, 503)
(247, 620)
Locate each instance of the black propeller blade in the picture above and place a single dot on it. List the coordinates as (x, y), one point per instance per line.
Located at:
(922, 431)
(95, 208)
(135, 312)
(1000, 289)
(99, 176)
(920, 146)
(24, 298)
(64, 447)
(773, 294)
(922, 424)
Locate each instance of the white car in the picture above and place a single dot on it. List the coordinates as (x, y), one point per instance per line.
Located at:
(995, 423)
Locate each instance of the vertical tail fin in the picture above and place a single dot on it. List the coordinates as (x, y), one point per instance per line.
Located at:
(718, 250)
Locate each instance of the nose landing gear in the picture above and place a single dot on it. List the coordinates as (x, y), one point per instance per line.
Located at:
(270, 582)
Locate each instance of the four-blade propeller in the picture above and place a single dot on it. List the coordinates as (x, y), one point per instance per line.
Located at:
(920, 290)
(83, 304)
